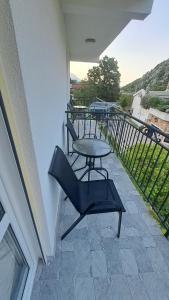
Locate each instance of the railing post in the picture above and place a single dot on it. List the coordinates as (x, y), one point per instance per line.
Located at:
(121, 133)
(67, 138)
(167, 234)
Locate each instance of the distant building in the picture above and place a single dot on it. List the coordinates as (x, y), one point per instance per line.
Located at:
(152, 116)
(75, 86)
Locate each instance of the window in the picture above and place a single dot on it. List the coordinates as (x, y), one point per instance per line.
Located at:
(13, 266)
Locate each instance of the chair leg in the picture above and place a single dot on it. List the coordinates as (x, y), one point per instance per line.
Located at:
(119, 224)
(75, 160)
(100, 162)
(72, 226)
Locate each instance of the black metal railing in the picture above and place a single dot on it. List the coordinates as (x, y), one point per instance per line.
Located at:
(141, 150)
(84, 101)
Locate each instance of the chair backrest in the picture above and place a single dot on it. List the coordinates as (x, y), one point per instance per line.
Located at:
(61, 170)
(71, 130)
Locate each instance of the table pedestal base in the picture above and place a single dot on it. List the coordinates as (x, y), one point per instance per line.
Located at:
(90, 165)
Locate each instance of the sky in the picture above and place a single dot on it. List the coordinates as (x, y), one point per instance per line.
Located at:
(139, 47)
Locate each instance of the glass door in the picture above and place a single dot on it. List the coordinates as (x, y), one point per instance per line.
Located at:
(13, 265)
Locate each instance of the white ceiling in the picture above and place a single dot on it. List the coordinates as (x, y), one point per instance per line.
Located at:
(101, 20)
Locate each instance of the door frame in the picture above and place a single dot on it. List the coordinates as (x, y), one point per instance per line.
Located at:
(10, 217)
(7, 124)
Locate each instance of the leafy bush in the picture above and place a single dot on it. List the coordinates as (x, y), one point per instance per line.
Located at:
(155, 102)
(125, 100)
(148, 179)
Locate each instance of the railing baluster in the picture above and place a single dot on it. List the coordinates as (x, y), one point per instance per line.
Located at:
(163, 204)
(136, 146)
(161, 188)
(150, 159)
(158, 176)
(152, 170)
(145, 142)
(125, 141)
(132, 150)
(128, 147)
(123, 136)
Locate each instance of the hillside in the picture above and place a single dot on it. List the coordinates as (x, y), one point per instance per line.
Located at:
(155, 80)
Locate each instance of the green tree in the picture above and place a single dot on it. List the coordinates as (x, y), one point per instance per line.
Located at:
(125, 101)
(105, 78)
(86, 91)
(102, 81)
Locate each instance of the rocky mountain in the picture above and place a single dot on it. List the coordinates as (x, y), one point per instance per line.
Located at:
(156, 80)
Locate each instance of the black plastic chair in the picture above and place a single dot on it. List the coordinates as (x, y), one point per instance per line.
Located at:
(88, 197)
(71, 130)
(74, 136)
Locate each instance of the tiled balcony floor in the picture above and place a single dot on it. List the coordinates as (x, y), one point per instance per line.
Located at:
(92, 264)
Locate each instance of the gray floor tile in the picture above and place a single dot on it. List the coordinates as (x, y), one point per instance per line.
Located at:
(143, 260)
(137, 288)
(149, 242)
(113, 259)
(82, 259)
(65, 289)
(113, 288)
(95, 240)
(120, 289)
(67, 266)
(48, 290)
(84, 289)
(103, 288)
(77, 234)
(67, 246)
(157, 260)
(51, 269)
(156, 288)
(99, 267)
(131, 207)
(128, 262)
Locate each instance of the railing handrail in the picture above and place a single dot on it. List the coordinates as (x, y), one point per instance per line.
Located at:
(119, 112)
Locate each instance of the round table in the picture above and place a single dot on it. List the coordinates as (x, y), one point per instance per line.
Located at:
(91, 148)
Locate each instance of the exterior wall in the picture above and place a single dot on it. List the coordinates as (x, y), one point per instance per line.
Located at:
(159, 114)
(161, 124)
(138, 111)
(154, 116)
(11, 86)
(40, 37)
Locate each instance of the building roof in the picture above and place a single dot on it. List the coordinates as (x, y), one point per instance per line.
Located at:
(75, 86)
(91, 25)
(160, 94)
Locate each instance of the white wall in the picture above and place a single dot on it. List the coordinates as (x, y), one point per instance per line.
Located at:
(159, 114)
(142, 113)
(138, 111)
(40, 36)
(12, 89)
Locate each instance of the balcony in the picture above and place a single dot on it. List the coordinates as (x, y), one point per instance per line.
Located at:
(91, 263)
